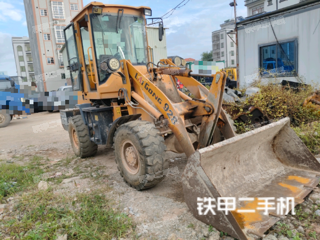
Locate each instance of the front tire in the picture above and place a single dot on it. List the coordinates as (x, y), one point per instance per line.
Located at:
(140, 154)
(4, 119)
(80, 138)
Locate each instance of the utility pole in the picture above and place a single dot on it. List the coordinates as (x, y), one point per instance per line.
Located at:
(236, 30)
(234, 5)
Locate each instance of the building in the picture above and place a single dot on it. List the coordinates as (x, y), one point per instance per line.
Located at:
(224, 44)
(157, 49)
(23, 58)
(46, 20)
(273, 5)
(284, 44)
(254, 7)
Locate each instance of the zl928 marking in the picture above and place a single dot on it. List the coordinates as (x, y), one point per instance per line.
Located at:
(152, 93)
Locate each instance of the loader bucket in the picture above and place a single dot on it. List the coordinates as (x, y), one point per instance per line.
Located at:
(268, 162)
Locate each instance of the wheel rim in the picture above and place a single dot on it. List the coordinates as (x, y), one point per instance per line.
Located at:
(130, 157)
(75, 138)
(2, 118)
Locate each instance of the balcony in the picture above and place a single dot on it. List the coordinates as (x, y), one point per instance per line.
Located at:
(248, 2)
(30, 70)
(216, 39)
(61, 64)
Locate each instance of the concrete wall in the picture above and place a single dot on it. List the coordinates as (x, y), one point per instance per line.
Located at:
(300, 24)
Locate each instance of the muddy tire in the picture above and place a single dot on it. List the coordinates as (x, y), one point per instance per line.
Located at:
(80, 139)
(4, 119)
(140, 154)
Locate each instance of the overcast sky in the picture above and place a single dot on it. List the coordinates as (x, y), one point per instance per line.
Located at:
(189, 33)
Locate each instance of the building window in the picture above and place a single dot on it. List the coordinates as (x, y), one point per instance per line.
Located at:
(50, 60)
(279, 59)
(59, 34)
(57, 10)
(19, 49)
(21, 59)
(60, 58)
(74, 7)
(232, 44)
(270, 2)
(258, 9)
(46, 37)
(221, 36)
(222, 54)
(222, 45)
(232, 62)
(232, 53)
(43, 12)
(22, 68)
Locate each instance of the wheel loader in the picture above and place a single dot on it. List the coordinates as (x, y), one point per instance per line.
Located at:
(133, 105)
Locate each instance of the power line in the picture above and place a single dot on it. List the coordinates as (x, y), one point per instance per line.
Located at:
(180, 5)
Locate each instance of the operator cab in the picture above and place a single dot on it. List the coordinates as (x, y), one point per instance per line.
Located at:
(99, 37)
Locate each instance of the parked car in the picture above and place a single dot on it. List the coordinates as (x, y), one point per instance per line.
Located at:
(12, 101)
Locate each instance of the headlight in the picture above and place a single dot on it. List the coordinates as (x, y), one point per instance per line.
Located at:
(183, 62)
(113, 64)
(177, 61)
(148, 12)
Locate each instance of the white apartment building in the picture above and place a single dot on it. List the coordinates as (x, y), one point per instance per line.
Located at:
(273, 5)
(224, 44)
(46, 20)
(255, 7)
(23, 58)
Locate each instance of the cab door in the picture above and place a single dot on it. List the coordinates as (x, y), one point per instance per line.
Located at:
(73, 58)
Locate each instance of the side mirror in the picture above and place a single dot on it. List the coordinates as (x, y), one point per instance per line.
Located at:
(161, 31)
(12, 83)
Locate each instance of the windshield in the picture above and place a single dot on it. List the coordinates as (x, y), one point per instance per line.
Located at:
(5, 85)
(123, 40)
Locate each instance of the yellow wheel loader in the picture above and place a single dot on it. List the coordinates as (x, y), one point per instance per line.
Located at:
(133, 105)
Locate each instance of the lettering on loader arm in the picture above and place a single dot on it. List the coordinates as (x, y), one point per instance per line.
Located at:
(153, 95)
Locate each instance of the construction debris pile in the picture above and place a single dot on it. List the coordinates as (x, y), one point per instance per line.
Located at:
(261, 104)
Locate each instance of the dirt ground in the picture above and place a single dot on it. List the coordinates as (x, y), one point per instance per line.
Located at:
(158, 213)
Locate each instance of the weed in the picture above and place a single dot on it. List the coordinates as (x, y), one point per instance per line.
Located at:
(211, 229)
(313, 234)
(277, 102)
(191, 226)
(223, 234)
(36, 160)
(14, 178)
(310, 135)
(45, 215)
(283, 228)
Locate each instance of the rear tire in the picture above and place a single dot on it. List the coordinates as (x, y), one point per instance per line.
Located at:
(4, 119)
(80, 139)
(140, 154)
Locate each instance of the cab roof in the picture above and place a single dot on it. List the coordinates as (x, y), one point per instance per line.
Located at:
(100, 4)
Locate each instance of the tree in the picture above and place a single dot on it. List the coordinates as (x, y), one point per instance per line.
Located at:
(207, 56)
